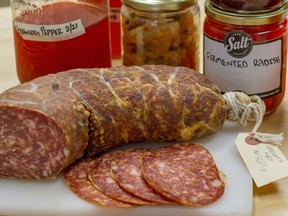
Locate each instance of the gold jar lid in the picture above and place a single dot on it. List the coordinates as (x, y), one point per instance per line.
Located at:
(159, 5)
(253, 19)
(248, 6)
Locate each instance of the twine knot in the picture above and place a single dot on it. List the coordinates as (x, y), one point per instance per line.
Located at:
(243, 108)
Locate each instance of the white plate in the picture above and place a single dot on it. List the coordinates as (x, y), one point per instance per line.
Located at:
(21, 197)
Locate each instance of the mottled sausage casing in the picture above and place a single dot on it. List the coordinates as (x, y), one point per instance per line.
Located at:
(48, 123)
(43, 128)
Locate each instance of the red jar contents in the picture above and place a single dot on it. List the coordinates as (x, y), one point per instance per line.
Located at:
(249, 55)
(61, 36)
(115, 10)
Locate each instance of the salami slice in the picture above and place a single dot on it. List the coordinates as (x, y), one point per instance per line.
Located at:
(126, 170)
(101, 179)
(76, 177)
(185, 173)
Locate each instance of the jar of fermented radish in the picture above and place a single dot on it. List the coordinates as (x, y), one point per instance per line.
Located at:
(246, 50)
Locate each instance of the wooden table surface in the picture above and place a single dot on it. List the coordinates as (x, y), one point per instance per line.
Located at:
(270, 200)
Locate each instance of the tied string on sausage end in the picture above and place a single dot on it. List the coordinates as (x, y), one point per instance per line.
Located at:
(243, 108)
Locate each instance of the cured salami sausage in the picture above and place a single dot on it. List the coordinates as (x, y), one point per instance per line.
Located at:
(76, 177)
(101, 179)
(43, 129)
(49, 122)
(185, 173)
(127, 172)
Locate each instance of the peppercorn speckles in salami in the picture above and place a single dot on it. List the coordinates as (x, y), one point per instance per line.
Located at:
(76, 178)
(127, 172)
(47, 123)
(185, 173)
(43, 129)
(100, 177)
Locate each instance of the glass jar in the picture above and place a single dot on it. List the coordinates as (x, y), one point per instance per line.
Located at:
(247, 52)
(115, 10)
(52, 36)
(251, 6)
(161, 32)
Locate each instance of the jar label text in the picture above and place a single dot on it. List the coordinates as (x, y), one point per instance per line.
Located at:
(257, 71)
(265, 162)
(50, 33)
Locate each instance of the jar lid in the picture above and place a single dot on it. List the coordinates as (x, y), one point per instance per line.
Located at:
(248, 6)
(159, 5)
(253, 19)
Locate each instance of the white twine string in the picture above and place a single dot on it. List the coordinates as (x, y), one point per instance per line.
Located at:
(243, 108)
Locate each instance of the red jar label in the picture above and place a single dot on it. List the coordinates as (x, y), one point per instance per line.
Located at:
(238, 63)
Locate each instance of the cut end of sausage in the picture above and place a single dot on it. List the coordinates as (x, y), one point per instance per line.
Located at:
(32, 146)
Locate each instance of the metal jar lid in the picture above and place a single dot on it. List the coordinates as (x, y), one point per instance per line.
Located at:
(248, 6)
(254, 19)
(159, 5)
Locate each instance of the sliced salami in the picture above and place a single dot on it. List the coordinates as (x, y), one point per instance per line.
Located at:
(102, 180)
(126, 170)
(185, 173)
(76, 177)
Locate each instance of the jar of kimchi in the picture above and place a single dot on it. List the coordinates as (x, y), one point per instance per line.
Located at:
(161, 32)
(247, 51)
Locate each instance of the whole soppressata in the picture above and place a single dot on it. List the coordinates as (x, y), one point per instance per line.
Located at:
(48, 123)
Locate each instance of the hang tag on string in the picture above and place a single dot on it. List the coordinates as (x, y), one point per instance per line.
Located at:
(265, 162)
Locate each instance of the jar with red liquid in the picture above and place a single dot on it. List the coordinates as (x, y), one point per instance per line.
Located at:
(52, 36)
(115, 10)
(247, 50)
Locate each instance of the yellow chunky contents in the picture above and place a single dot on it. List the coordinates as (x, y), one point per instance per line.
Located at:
(171, 39)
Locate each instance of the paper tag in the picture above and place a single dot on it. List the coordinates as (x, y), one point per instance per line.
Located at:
(49, 33)
(265, 162)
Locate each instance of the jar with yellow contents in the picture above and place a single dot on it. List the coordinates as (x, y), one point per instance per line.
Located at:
(161, 32)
